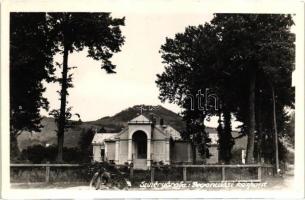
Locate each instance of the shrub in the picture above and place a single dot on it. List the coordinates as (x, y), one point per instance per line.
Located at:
(42, 154)
(39, 154)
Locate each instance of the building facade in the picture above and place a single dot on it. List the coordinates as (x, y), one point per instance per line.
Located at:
(143, 143)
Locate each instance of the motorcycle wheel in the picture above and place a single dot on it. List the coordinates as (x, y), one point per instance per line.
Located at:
(98, 183)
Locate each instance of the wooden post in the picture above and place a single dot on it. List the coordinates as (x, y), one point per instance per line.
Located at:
(259, 173)
(47, 173)
(184, 174)
(152, 174)
(223, 176)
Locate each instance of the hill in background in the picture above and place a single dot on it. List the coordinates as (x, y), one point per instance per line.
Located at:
(48, 135)
(118, 121)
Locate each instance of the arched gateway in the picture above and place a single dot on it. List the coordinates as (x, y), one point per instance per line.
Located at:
(139, 140)
(139, 150)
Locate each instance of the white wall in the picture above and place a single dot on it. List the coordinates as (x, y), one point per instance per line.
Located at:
(110, 150)
(123, 151)
(97, 153)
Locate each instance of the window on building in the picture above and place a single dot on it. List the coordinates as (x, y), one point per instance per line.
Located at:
(103, 154)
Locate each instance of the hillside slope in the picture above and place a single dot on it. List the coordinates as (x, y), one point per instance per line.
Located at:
(119, 120)
(115, 123)
(48, 135)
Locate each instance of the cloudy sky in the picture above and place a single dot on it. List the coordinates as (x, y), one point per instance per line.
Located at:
(97, 94)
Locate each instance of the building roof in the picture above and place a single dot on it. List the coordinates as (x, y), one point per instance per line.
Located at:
(141, 119)
(170, 131)
(99, 138)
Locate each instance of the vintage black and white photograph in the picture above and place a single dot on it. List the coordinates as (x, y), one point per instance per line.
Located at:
(134, 101)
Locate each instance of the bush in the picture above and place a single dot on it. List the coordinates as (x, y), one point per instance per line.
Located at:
(139, 176)
(72, 155)
(168, 173)
(84, 144)
(42, 154)
(39, 154)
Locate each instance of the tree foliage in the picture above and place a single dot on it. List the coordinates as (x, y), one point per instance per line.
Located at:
(188, 69)
(260, 48)
(99, 32)
(31, 57)
(241, 57)
(35, 39)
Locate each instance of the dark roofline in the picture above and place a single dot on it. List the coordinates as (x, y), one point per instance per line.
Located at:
(140, 122)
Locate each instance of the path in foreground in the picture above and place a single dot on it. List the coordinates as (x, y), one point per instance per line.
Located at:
(274, 183)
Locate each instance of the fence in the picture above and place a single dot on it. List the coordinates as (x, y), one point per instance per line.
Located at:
(205, 173)
(210, 173)
(48, 172)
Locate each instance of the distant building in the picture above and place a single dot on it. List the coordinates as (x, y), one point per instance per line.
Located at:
(142, 143)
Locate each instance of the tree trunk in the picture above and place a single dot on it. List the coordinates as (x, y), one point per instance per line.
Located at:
(63, 99)
(194, 153)
(251, 134)
(259, 129)
(203, 142)
(220, 136)
(228, 135)
(275, 132)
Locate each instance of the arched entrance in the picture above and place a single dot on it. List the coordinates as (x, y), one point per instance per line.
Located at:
(139, 140)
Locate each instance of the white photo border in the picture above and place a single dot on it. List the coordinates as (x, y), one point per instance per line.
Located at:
(157, 6)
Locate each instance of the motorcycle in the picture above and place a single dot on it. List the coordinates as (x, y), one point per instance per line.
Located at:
(107, 176)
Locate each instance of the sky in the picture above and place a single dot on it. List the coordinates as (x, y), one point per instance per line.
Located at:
(96, 94)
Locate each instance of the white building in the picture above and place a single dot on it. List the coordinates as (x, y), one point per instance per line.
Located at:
(142, 142)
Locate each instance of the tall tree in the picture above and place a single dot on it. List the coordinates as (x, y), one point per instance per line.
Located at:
(256, 45)
(237, 55)
(72, 32)
(188, 70)
(31, 57)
